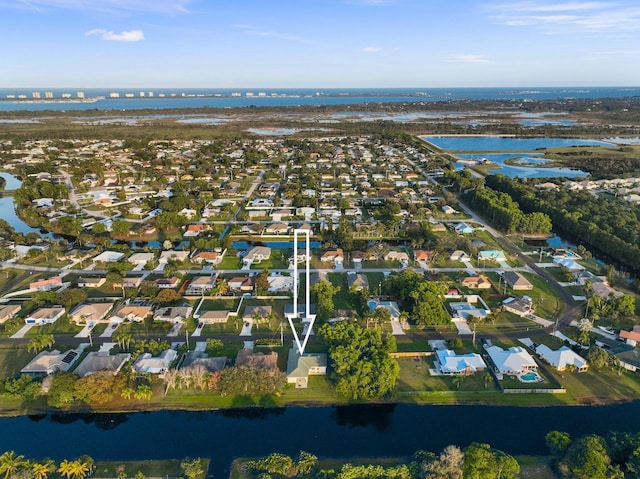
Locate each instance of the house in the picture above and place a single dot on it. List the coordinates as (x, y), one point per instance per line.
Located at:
(562, 358)
(129, 282)
(257, 254)
(168, 283)
(50, 362)
(520, 306)
(603, 290)
(628, 355)
(261, 312)
(140, 259)
(400, 256)
(466, 310)
(90, 313)
(514, 361)
(146, 363)
(279, 283)
(459, 255)
(244, 284)
(173, 255)
(568, 263)
(357, 281)
(84, 282)
(299, 368)
(463, 228)
(632, 338)
(423, 255)
(276, 229)
(173, 314)
(108, 257)
(206, 256)
(336, 255)
(476, 282)
(201, 285)
(9, 311)
(448, 210)
(516, 281)
(46, 284)
(194, 229)
(200, 359)
(451, 364)
(100, 361)
(45, 315)
(135, 311)
(358, 256)
(212, 317)
(492, 255)
(246, 357)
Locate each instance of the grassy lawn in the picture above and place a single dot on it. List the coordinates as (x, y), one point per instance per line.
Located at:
(545, 298)
(415, 377)
(230, 261)
(593, 387)
(277, 261)
(12, 360)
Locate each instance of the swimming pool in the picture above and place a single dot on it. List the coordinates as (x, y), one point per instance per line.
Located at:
(530, 377)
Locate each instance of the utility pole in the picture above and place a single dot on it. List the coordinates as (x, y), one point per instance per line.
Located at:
(186, 335)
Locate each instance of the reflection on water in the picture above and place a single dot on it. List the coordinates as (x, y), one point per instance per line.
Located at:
(376, 416)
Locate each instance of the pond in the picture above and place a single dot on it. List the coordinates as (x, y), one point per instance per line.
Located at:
(498, 159)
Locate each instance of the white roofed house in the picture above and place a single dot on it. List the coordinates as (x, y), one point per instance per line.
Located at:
(45, 315)
(514, 361)
(173, 314)
(278, 283)
(108, 257)
(451, 364)
(146, 363)
(562, 358)
(257, 254)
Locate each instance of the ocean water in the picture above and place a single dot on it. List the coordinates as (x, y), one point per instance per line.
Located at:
(226, 98)
(500, 143)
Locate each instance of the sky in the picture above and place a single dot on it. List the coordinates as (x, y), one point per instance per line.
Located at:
(318, 43)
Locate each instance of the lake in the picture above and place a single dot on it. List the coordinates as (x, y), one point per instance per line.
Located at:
(498, 159)
(8, 209)
(342, 431)
(501, 143)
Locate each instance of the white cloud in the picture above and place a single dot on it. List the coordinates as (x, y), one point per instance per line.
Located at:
(466, 58)
(257, 32)
(125, 36)
(570, 17)
(371, 49)
(110, 6)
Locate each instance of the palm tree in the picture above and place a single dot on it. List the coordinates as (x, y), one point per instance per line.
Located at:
(41, 470)
(143, 392)
(10, 463)
(80, 469)
(66, 468)
(127, 393)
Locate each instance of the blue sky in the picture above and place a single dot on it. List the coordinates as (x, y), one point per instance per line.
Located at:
(318, 43)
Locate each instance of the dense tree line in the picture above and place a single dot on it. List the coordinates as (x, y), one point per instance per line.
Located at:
(361, 366)
(609, 225)
(477, 461)
(615, 456)
(503, 212)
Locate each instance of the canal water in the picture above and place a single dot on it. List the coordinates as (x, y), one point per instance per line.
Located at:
(342, 431)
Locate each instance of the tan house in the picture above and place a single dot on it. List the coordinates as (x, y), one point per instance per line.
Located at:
(246, 357)
(87, 313)
(476, 282)
(46, 284)
(136, 311)
(9, 311)
(45, 315)
(212, 317)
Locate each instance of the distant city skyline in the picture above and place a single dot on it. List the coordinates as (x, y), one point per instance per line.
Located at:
(318, 43)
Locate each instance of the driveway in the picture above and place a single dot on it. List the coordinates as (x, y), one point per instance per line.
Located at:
(24, 330)
(247, 324)
(111, 328)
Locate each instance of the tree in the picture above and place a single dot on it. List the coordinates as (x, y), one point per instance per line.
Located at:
(483, 462)
(448, 465)
(192, 468)
(11, 464)
(585, 326)
(167, 296)
(362, 367)
(262, 282)
(598, 358)
(306, 462)
(98, 388)
(41, 470)
(61, 393)
(143, 393)
(120, 228)
(324, 291)
(70, 297)
(558, 442)
(214, 346)
(587, 458)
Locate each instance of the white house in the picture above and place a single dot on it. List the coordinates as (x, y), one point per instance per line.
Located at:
(513, 361)
(452, 364)
(155, 365)
(45, 315)
(299, 368)
(562, 358)
(108, 257)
